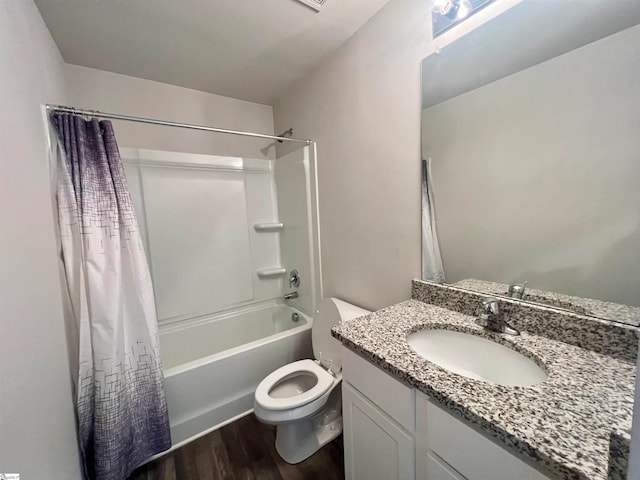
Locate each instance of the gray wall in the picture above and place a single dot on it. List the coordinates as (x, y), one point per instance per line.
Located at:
(115, 93)
(536, 176)
(37, 429)
(362, 106)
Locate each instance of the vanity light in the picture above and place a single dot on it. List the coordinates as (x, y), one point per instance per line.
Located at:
(447, 13)
(453, 9)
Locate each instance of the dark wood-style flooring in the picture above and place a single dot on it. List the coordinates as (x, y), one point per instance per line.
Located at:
(242, 450)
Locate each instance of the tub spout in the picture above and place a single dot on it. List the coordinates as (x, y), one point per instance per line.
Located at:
(290, 296)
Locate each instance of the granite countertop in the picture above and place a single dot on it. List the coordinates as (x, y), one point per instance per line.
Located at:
(563, 424)
(616, 312)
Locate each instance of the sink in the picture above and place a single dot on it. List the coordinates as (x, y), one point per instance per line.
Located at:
(476, 357)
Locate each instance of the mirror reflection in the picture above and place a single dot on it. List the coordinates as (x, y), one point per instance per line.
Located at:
(531, 155)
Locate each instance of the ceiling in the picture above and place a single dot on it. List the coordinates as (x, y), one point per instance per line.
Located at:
(245, 49)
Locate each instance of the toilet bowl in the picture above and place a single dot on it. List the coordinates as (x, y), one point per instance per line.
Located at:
(303, 399)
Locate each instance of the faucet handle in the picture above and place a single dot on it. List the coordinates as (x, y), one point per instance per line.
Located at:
(516, 290)
(294, 279)
(490, 305)
(491, 318)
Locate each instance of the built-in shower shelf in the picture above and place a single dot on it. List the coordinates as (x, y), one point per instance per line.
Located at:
(271, 272)
(268, 227)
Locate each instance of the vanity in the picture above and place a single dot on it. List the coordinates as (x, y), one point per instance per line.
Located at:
(406, 417)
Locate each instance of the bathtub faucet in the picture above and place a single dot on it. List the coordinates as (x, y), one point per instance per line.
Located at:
(291, 295)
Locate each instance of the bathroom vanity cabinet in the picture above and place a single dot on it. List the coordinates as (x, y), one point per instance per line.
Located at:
(393, 431)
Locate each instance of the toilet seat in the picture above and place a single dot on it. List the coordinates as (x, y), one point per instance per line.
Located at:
(324, 382)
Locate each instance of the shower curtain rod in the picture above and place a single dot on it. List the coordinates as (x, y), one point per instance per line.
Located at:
(127, 118)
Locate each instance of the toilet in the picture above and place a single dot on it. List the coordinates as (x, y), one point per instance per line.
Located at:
(303, 399)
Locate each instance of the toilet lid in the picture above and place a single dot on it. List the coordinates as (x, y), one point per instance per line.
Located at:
(325, 380)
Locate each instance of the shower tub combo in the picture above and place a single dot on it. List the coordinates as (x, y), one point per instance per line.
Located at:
(221, 234)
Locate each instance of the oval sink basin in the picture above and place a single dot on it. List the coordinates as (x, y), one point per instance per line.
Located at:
(476, 357)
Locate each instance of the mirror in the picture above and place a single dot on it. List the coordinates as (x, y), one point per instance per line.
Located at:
(531, 131)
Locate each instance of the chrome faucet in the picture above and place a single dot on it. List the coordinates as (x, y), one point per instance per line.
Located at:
(291, 295)
(516, 290)
(492, 319)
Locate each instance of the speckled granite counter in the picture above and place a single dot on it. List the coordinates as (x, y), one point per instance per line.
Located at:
(585, 306)
(563, 424)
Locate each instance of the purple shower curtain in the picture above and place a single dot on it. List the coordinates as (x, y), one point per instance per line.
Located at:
(120, 398)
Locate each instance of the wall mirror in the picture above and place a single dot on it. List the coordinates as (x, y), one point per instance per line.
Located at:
(531, 149)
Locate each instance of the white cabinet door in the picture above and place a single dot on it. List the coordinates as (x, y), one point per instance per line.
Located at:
(390, 395)
(462, 449)
(375, 446)
(438, 469)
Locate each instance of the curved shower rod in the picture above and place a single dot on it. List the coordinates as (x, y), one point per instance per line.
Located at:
(127, 118)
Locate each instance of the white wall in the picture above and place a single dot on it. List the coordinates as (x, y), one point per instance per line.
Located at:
(37, 429)
(115, 93)
(362, 107)
(196, 214)
(536, 176)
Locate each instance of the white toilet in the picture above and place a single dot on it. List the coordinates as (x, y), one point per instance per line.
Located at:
(303, 398)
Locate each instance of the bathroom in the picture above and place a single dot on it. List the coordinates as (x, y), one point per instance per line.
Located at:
(346, 76)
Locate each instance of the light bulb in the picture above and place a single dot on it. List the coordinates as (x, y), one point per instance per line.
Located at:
(464, 9)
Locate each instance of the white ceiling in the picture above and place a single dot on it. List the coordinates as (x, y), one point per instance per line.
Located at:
(247, 49)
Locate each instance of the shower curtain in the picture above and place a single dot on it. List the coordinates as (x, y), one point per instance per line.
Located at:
(432, 268)
(120, 400)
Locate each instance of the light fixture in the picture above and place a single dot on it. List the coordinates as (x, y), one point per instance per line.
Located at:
(453, 9)
(447, 13)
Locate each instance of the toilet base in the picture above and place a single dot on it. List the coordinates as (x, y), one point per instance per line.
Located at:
(299, 440)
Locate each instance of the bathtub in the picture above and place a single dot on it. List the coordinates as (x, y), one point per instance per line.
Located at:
(213, 365)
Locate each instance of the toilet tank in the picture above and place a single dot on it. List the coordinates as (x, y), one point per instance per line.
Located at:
(326, 349)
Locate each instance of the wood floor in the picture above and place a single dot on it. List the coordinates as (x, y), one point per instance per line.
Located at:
(244, 449)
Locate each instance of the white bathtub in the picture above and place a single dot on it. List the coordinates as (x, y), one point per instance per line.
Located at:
(213, 365)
